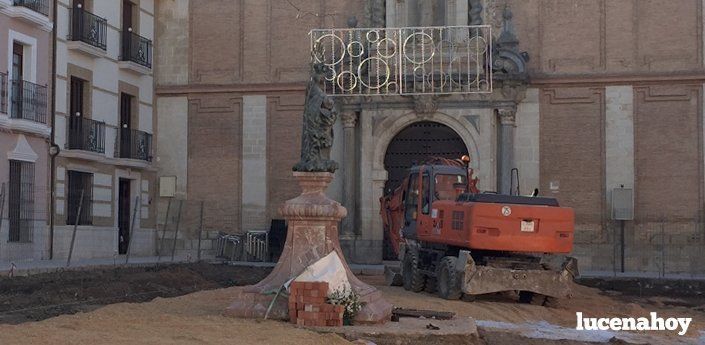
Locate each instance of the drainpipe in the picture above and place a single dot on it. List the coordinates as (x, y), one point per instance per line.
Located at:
(53, 149)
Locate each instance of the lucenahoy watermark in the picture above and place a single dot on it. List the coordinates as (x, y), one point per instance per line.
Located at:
(654, 323)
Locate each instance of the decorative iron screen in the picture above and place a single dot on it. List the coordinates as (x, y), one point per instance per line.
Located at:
(458, 220)
(407, 61)
(21, 201)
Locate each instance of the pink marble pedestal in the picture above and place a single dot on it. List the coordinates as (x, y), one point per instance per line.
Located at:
(313, 220)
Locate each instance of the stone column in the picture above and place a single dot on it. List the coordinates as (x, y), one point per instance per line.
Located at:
(349, 120)
(507, 121)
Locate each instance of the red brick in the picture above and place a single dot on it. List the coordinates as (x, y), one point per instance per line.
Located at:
(308, 315)
(310, 300)
(297, 285)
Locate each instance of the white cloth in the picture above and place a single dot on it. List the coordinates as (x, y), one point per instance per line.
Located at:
(327, 269)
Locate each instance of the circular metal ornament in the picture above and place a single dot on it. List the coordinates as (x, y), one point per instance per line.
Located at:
(477, 45)
(322, 57)
(386, 72)
(384, 44)
(351, 51)
(340, 81)
(376, 36)
(424, 37)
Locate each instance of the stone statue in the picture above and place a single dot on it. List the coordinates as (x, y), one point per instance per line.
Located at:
(320, 113)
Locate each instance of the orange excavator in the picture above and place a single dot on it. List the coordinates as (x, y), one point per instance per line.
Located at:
(457, 241)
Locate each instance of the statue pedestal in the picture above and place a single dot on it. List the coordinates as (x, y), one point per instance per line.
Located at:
(312, 233)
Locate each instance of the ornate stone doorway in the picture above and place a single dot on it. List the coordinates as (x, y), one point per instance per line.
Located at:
(418, 142)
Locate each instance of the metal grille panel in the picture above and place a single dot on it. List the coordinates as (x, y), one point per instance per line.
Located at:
(21, 201)
(407, 61)
(80, 182)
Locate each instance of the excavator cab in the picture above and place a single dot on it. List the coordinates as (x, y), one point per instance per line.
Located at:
(428, 184)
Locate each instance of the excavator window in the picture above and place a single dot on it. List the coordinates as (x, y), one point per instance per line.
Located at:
(412, 198)
(426, 196)
(448, 187)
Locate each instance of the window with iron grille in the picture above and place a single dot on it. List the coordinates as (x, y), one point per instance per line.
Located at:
(21, 201)
(458, 217)
(80, 183)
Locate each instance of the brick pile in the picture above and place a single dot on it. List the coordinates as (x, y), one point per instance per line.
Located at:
(308, 307)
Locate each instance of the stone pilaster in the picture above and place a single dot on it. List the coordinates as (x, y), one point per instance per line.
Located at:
(378, 13)
(505, 150)
(349, 120)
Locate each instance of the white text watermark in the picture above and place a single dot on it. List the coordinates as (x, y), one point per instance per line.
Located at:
(652, 323)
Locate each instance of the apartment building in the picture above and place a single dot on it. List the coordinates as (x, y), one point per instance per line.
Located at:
(104, 125)
(25, 127)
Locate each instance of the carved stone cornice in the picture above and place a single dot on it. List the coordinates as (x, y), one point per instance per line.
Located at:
(507, 116)
(349, 119)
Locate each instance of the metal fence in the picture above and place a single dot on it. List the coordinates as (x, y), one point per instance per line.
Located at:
(89, 28)
(195, 228)
(85, 134)
(28, 101)
(137, 49)
(40, 6)
(134, 144)
(406, 61)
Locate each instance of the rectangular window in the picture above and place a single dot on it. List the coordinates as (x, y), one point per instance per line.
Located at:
(80, 183)
(21, 201)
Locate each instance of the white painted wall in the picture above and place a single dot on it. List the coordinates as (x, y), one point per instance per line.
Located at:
(619, 139)
(254, 162)
(172, 140)
(527, 142)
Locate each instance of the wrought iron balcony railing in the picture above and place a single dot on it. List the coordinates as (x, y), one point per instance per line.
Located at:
(85, 134)
(40, 6)
(3, 93)
(28, 101)
(134, 144)
(89, 28)
(411, 60)
(137, 49)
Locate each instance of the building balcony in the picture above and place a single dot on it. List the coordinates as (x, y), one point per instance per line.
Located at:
(39, 6)
(136, 53)
(33, 11)
(85, 135)
(28, 101)
(134, 144)
(88, 33)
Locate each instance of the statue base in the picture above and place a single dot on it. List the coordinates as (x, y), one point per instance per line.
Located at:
(312, 233)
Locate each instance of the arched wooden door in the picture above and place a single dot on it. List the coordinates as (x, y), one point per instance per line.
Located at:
(417, 143)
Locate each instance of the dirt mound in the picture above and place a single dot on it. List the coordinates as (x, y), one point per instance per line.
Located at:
(42, 296)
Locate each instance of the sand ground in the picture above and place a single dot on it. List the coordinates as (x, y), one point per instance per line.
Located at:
(196, 319)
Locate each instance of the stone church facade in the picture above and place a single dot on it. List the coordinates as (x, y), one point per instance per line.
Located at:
(612, 99)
